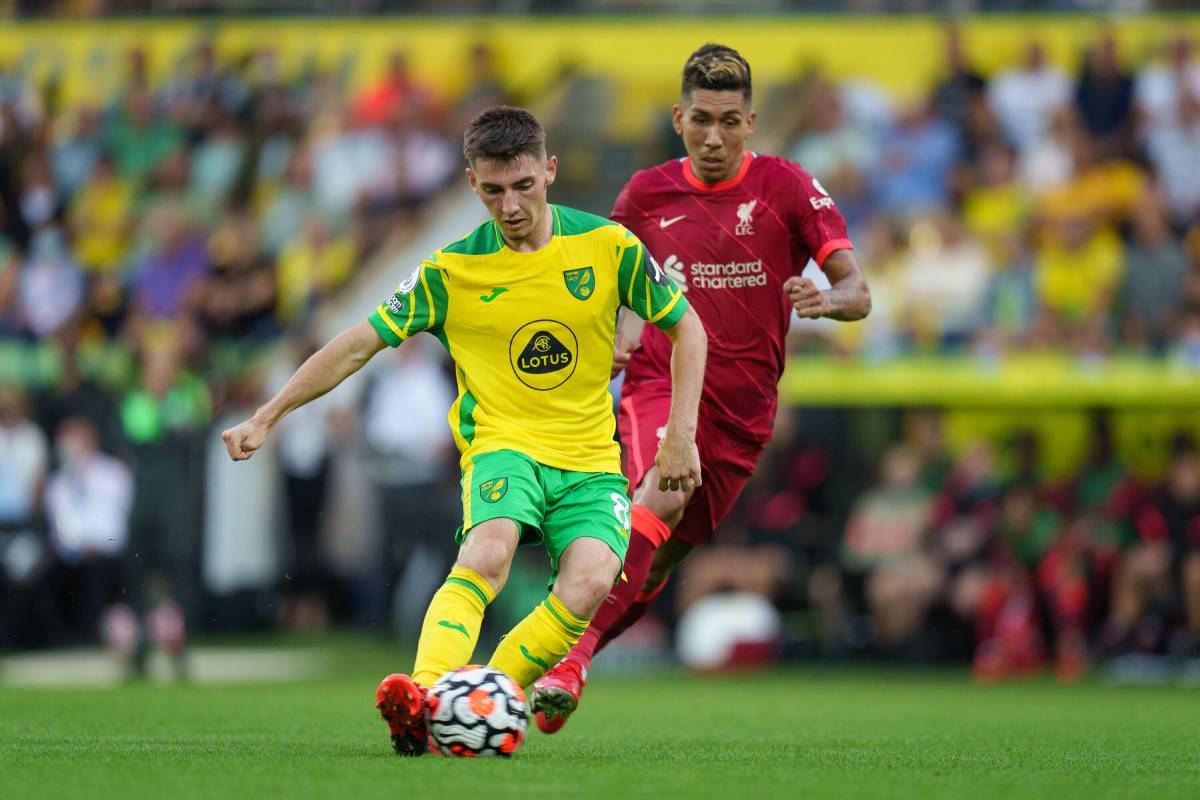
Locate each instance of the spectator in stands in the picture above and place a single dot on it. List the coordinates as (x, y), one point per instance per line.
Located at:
(396, 95)
(1159, 576)
(1160, 86)
(166, 277)
(946, 286)
(88, 499)
(311, 267)
(885, 547)
(960, 85)
(1173, 145)
(485, 87)
(411, 452)
(1152, 294)
(309, 435)
(24, 459)
(236, 297)
(100, 219)
(288, 204)
(76, 150)
(1078, 270)
(1026, 98)
(1104, 96)
(139, 138)
(838, 153)
(51, 287)
(915, 163)
(164, 419)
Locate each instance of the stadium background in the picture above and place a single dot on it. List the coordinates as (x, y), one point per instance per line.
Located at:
(996, 469)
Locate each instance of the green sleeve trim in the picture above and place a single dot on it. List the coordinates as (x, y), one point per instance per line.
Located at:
(670, 316)
(381, 327)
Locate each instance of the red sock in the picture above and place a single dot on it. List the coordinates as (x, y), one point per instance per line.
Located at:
(622, 607)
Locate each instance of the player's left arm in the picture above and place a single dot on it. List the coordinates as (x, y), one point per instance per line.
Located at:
(848, 297)
(678, 460)
(646, 290)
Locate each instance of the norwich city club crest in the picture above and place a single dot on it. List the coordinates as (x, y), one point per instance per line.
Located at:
(581, 283)
(493, 490)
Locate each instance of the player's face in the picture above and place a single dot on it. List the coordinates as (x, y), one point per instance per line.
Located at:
(715, 126)
(515, 193)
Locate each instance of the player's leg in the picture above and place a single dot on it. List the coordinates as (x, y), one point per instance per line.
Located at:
(640, 420)
(586, 530)
(586, 572)
(450, 629)
(663, 562)
(726, 469)
(501, 498)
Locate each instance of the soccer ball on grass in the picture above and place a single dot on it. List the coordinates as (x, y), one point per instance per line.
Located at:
(477, 711)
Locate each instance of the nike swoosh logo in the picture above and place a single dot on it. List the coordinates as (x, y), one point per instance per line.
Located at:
(663, 222)
(487, 298)
(455, 626)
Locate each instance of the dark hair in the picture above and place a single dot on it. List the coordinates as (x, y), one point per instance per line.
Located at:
(504, 133)
(717, 68)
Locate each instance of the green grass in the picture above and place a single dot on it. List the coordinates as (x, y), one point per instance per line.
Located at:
(791, 734)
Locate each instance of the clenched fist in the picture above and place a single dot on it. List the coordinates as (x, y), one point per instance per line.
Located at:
(809, 301)
(243, 439)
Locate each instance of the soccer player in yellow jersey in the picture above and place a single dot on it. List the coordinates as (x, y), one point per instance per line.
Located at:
(526, 304)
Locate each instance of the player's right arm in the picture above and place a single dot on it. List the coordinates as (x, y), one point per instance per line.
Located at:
(324, 369)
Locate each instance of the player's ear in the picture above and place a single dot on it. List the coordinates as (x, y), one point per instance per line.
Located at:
(677, 119)
(473, 180)
(751, 118)
(551, 169)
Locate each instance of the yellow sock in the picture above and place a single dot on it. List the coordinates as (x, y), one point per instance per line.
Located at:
(538, 642)
(451, 625)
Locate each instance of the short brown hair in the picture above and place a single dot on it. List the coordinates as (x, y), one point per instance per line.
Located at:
(504, 133)
(717, 68)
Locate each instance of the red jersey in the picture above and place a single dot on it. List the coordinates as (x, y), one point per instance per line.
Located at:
(730, 246)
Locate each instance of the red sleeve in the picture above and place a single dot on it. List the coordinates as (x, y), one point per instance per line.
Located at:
(821, 228)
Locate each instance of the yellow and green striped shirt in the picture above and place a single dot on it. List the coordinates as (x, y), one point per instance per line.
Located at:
(531, 334)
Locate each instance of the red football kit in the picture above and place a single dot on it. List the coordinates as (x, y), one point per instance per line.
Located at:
(729, 246)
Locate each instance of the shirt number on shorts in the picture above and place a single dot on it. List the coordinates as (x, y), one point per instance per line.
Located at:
(620, 509)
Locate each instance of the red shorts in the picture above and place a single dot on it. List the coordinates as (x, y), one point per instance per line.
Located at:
(726, 461)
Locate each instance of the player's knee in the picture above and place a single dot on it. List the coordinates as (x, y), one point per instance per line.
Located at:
(488, 550)
(583, 590)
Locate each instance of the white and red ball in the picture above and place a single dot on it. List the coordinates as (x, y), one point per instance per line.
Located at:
(475, 712)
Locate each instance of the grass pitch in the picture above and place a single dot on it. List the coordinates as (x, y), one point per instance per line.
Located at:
(788, 734)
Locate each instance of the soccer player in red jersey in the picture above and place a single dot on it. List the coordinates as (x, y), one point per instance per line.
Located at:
(734, 229)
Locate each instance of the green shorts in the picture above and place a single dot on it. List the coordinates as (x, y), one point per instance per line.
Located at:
(550, 505)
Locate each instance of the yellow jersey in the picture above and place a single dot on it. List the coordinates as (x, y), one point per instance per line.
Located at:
(532, 334)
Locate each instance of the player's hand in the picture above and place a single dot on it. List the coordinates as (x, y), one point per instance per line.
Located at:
(678, 463)
(621, 353)
(242, 440)
(809, 301)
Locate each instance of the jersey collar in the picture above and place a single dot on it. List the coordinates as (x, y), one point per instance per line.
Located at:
(691, 178)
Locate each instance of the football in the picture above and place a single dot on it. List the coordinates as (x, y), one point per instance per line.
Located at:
(477, 711)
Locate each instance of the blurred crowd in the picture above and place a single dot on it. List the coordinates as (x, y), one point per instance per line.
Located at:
(153, 245)
(969, 551)
(1038, 208)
